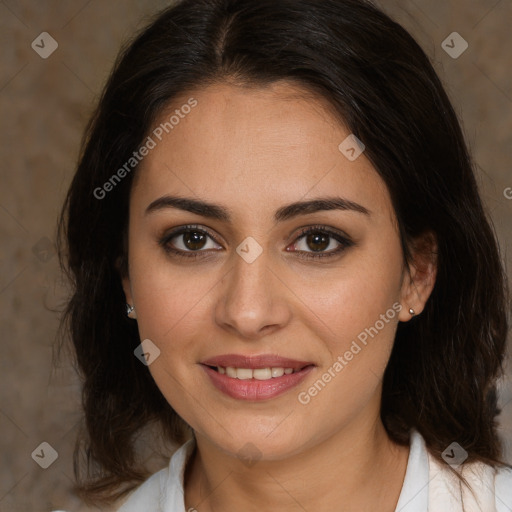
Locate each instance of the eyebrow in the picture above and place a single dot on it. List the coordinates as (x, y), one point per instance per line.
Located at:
(221, 213)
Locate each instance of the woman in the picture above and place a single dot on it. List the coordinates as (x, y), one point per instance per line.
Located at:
(280, 258)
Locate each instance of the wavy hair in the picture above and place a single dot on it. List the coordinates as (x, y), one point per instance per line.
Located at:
(442, 373)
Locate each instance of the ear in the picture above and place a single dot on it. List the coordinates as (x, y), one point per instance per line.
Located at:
(122, 268)
(419, 276)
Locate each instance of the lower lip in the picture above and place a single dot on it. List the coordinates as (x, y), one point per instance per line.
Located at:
(253, 389)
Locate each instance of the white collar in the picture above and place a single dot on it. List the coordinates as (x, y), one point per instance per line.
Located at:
(413, 496)
(428, 486)
(414, 493)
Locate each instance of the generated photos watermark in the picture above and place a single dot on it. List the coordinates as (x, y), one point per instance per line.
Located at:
(304, 397)
(150, 143)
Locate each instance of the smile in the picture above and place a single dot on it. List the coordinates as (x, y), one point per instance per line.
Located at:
(256, 384)
(257, 373)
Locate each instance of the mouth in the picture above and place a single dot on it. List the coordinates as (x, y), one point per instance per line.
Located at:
(265, 373)
(255, 378)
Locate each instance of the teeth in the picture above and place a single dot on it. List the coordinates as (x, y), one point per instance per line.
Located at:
(277, 372)
(243, 373)
(257, 373)
(262, 373)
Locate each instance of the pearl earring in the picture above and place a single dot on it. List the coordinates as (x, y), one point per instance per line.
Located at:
(411, 311)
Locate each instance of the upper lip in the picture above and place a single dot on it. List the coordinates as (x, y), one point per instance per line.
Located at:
(255, 361)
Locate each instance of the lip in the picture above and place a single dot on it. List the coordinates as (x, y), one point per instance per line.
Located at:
(253, 389)
(256, 361)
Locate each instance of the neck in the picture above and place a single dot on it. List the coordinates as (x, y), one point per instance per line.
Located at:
(362, 471)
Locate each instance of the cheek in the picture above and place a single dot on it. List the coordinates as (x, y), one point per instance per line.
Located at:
(172, 311)
(170, 298)
(352, 298)
(359, 327)
(359, 321)
(358, 308)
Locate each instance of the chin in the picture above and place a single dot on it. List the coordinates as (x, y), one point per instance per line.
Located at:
(259, 444)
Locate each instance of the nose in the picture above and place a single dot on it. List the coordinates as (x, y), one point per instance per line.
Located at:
(252, 300)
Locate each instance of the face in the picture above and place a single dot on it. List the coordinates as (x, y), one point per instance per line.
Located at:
(255, 285)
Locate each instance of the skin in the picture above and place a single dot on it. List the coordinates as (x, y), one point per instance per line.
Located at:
(255, 150)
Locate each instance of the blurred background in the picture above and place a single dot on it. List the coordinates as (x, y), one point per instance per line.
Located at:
(47, 92)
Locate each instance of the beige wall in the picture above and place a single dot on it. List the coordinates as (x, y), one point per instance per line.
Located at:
(44, 104)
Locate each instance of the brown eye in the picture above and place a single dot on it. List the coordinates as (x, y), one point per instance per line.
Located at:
(194, 240)
(313, 242)
(188, 241)
(318, 241)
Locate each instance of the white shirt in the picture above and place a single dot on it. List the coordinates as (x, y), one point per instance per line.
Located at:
(428, 485)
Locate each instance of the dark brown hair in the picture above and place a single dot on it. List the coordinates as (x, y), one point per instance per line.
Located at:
(441, 377)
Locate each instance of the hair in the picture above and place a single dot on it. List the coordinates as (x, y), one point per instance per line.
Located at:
(442, 373)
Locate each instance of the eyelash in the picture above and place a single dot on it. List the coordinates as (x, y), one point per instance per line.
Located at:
(344, 242)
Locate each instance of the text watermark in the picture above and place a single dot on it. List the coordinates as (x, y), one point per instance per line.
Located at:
(149, 144)
(304, 397)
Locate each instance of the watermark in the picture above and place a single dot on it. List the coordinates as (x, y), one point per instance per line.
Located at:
(352, 147)
(454, 45)
(147, 352)
(45, 455)
(149, 144)
(44, 45)
(304, 397)
(454, 455)
(508, 193)
(249, 249)
(44, 250)
(249, 454)
(174, 120)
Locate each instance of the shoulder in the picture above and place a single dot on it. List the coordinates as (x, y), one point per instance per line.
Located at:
(503, 490)
(491, 488)
(144, 497)
(149, 495)
(164, 489)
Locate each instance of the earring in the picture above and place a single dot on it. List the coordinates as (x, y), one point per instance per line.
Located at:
(130, 311)
(411, 311)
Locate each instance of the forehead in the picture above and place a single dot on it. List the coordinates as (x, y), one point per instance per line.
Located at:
(277, 143)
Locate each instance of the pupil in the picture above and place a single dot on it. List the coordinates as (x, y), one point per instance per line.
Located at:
(318, 238)
(194, 240)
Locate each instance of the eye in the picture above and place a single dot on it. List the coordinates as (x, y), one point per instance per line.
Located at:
(187, 240)
(319, 239)
(193, 241)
